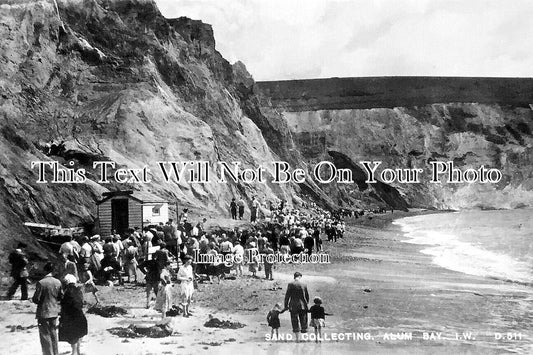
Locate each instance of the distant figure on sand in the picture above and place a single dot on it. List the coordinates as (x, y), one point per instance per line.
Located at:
(296, 300)
(233, 209)
(267, 263)
(241, 204)
(254, 210)
(238, 252)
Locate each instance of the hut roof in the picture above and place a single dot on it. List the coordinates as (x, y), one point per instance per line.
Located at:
(141, 196)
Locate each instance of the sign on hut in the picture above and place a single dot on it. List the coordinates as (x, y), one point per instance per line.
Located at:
(120, 210)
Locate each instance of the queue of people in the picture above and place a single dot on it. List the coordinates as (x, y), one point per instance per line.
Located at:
(165, 254)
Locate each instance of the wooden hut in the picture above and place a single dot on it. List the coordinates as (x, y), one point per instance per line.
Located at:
(120, 210)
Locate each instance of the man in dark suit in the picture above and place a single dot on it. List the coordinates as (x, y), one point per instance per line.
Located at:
(47, 295)
(296, 299)
(19, 272)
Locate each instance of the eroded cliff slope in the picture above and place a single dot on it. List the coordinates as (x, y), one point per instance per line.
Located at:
(116, 81)
(409, 122)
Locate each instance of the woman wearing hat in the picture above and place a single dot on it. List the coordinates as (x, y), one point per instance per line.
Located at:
(72, 322)
(186, 276)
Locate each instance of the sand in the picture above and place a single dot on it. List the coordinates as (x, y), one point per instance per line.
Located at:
(376, 287)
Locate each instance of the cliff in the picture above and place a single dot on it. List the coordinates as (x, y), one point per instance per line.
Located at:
(116, 81)
(409, 122)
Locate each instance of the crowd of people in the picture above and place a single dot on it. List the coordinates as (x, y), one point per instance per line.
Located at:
(168, 253)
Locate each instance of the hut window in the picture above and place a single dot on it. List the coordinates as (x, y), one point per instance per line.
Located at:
(156, 211)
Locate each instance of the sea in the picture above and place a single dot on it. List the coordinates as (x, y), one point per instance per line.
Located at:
(493, 244)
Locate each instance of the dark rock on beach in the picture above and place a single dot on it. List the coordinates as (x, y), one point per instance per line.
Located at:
(137, 331)
(107, 311)
(225, 324)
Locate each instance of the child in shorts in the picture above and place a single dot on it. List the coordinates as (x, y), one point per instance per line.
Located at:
(317, 318)
(273, 319)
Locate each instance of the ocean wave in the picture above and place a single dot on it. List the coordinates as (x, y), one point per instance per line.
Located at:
(450, 252)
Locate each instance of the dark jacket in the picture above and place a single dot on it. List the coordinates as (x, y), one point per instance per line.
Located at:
(151, 270)
(18, 262)
(47, 295)
(73, 324)
(296, 297)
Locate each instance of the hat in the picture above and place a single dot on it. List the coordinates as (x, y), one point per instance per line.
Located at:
(252, 244)
(70, 279)
(95, 237)
(317, 300)
(187, 257)
(297, 274)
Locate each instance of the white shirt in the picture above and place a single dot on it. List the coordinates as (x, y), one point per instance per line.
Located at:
(86, 250)
(238, 250)
(226, 246)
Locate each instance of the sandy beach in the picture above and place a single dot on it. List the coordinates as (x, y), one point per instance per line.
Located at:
(382, 292)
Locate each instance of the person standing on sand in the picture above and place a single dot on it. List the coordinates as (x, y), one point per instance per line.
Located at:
(163, 300)
(317, 318)
(130, 262)
(241, 204)
(296, 300)
(87, 279)
(72, 324)
(252, 253)
(150, 269)
(273, 320)
(233, 209)
(186, 276)
(267, 263)
(238, 252)
(255, 209)
(19, 273)
(47, 295)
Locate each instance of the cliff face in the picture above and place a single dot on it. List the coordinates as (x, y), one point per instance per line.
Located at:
(359, 118)
(117, 81)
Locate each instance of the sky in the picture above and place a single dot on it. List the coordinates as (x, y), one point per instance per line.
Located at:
(297, 39)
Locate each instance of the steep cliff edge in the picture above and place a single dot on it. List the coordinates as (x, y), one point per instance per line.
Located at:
(409, 122)
(115, 80)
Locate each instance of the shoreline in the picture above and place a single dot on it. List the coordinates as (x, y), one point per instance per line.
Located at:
(376, 284)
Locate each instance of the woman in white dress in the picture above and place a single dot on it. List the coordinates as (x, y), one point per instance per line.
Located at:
(186, 276)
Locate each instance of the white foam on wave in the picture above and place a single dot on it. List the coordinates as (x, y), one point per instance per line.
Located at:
(453, 254)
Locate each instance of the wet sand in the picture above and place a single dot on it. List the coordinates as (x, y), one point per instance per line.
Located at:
(376, 286)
